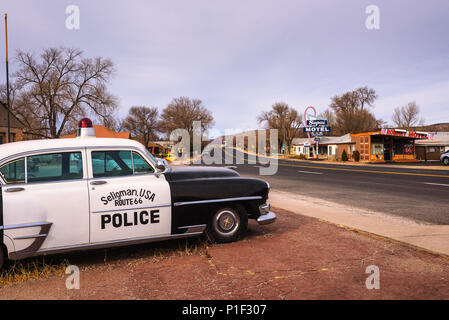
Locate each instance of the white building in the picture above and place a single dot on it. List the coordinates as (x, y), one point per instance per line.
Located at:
(327, 146)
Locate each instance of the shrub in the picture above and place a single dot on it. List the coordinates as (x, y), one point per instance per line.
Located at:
(344, 156)
(300, 157)
(356, 155)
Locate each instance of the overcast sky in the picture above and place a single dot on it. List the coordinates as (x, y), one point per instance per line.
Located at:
(240, 56)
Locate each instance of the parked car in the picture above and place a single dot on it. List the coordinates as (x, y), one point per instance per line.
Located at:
(62, 195)
(169, 157)
(445, 158)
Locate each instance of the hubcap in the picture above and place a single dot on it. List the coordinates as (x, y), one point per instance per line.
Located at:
(226, 222)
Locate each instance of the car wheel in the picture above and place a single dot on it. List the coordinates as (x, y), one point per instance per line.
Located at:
(446, 161)
(228, 224)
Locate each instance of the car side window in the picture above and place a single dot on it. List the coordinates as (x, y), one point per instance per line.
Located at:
(54, 167)
(111, 163)
(14, 172)
(140, 165)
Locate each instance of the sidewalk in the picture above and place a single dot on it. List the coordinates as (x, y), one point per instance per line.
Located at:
(434, 238)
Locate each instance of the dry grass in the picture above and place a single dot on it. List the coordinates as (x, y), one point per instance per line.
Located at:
(43, 267)
(189, 249)
(37, 268)
(183, 248)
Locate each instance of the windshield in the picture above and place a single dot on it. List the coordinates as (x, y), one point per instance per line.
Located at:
(151, 157)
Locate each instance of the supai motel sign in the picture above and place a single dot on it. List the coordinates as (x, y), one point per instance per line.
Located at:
(317, 127)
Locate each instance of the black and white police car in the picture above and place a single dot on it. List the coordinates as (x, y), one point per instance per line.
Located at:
(62, 195)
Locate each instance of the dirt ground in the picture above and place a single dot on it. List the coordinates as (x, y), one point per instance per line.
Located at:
(295, 258)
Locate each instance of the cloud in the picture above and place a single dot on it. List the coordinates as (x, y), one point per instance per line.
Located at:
(433, 101)
(239, 57)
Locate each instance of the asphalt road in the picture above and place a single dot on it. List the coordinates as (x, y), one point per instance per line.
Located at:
(419, 194)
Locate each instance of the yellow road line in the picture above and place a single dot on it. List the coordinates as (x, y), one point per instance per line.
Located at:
(359, 170)
(370, 171)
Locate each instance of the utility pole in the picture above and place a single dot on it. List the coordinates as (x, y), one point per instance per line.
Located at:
(7, 78)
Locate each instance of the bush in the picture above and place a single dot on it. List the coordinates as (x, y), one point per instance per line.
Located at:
(344, 156)
(356, 155)
(300, 157)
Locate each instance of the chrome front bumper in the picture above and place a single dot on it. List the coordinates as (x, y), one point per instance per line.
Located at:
(266, 216)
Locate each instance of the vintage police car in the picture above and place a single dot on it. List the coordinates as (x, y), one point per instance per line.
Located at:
(61, 195)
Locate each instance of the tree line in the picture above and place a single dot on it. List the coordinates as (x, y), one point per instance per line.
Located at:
(146, 124)
(51, 92)
(350, 112)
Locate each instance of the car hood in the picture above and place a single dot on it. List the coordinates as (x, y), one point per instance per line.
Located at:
(197, 172)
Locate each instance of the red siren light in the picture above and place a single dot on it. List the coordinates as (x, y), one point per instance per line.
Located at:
(85, 123)
(85, 128)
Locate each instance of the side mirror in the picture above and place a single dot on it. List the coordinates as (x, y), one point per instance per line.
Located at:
(160, 165)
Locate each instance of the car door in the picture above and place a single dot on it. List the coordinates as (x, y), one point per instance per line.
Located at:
(128, 200)
(45, 201)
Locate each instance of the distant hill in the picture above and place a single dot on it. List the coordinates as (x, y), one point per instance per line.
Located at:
(437, 127)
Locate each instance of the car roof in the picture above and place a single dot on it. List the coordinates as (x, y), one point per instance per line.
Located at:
(13, 148)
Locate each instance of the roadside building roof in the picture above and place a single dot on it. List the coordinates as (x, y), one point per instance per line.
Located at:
(165, 144)
(151, 144)
(435, 139)
(324, 140)
(394, 133)
(154, 144)
(103, 132)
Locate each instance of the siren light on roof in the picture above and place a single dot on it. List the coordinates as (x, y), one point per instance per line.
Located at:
(85, 123)
(85, 128)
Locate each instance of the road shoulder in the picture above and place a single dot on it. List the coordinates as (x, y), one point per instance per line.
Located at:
(297, 257)
(434, 238)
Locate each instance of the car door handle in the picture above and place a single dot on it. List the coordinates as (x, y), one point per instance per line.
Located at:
(15, 189)
(98, 182)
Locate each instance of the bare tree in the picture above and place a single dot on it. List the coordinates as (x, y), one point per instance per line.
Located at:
(329, 115)
(181, 112)
(54, 91)
(365, 96)
(142, 122)
(407, 116)
(351, 114)
(113, 123)
(13, 88)
(285, 119)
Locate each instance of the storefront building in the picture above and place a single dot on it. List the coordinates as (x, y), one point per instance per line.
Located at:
(431, 149)
(377, 146)
(329, 148)
(387, 145)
